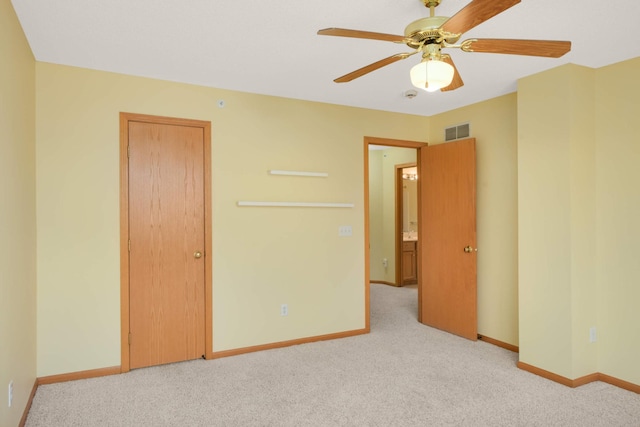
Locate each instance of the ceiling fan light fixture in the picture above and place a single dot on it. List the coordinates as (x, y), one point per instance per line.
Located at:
(432, 75)
(430, 35)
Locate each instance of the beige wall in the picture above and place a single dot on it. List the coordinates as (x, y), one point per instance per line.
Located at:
(579, 209)
(617, 91)
(376, 248)
(557, 221)
(17, 217)
(262, 257)
(494, 125)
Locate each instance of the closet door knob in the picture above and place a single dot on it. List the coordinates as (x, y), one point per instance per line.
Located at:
(197, 254)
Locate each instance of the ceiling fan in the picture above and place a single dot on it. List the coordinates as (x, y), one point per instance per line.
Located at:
(431, 35)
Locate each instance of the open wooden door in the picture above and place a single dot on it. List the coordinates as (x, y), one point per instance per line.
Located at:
(448, 298)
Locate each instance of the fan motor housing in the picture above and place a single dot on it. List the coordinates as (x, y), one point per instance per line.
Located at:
(428, 29)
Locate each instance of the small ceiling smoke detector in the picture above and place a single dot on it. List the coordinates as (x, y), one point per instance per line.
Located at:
(410, 94)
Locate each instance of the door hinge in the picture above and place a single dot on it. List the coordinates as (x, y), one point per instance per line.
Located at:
(129, 338)
(128, 151)
(129, 245)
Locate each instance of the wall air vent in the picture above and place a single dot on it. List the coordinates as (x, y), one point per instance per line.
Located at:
(457, 132)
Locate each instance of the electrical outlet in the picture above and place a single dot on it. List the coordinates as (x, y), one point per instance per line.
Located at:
(284, 310)
(592, 334)
(385, 262)
(10, 393)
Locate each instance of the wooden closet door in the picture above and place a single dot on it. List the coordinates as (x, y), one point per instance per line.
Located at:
(167, 241)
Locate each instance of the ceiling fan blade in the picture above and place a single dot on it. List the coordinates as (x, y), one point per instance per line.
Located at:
(547, 48)
(457, 80)
(372, 67)
(342, 32)
(475, 13)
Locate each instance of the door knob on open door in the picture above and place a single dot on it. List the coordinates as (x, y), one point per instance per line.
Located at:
(469, 249)
(197, 254)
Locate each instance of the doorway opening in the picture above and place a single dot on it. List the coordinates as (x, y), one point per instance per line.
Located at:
(447, 260)
(388, 264)
(406, 224)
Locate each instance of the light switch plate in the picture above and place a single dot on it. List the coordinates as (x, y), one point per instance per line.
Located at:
(345, 230)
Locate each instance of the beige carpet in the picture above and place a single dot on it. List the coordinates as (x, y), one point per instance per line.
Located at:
(402, 374)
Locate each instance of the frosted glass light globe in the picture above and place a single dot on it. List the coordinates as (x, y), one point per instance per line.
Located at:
(432, 75)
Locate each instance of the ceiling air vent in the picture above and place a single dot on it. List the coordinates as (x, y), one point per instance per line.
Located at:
(457, 132)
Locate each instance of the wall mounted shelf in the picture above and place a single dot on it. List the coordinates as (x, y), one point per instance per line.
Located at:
(299, 173)
(296, 204)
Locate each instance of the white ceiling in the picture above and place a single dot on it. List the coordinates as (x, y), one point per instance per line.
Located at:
(271, 47)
